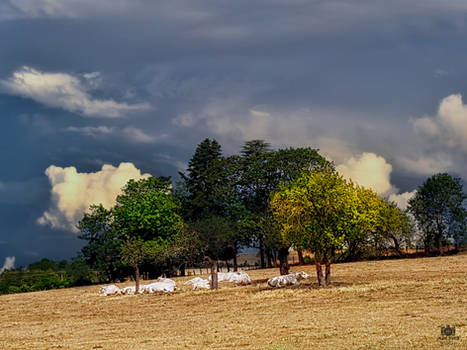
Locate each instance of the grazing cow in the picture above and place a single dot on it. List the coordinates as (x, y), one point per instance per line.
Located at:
(198, 282)
(284, 280)
(110, 290)
(238, 278)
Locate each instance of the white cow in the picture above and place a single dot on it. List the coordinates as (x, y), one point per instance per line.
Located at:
(301, 275)
(240, 278)
(284, 280)
(235, 277)
(199, 282)
(162, 285)
(131, 290)
(110, 290)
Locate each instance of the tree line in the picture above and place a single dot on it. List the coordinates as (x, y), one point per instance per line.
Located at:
(47, 274)
(269, 199)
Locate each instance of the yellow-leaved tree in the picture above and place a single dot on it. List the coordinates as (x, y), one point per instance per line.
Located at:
(320, 211)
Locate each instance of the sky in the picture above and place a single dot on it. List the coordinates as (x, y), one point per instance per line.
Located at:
(95, 92)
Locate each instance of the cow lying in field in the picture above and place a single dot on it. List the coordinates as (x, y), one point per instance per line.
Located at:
(238, 278)
(198, 282)
(130, 290)
(161, 285)
(301, 275)
(110, 290)
(291, 279)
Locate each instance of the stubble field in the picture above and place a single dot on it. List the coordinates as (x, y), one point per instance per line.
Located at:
(396, 304)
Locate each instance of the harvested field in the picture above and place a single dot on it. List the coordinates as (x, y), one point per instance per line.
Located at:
(392, 304)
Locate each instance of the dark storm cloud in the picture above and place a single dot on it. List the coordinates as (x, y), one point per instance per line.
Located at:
(345, 76)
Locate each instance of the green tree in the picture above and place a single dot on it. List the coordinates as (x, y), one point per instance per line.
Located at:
(215, 233)
(141, 226)
(146, 219)
(102, 251)
(319, 211)
(202, 182)
(210, 205)
(261, 172)
(438, 208)
(79, 272)
(393, 227)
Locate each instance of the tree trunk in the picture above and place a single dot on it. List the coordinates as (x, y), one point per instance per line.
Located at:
(301, 261)
(269, 258)
(214, 283)
(235, 262)
(396, 245)
(283, 261)
(182, 269)
(261, 254)
(426, 244)
(136, 267)
(319, 273)
(228, 266)
(327, 272)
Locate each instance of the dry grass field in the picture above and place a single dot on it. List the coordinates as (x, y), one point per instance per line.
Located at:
(392, 304)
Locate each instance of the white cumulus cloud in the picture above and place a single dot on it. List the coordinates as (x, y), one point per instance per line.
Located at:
(369, 170)
(373, 171)
(402, 199)
(449, 126)
(8, 264)
(73, 192)
(69, 92)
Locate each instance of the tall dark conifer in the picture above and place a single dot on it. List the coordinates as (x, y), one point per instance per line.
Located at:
(207, 199)
(201, 181)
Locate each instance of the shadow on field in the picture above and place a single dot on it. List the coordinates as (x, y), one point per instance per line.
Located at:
(307, 285)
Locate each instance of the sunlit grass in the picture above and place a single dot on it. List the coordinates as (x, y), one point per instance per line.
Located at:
(393, 304)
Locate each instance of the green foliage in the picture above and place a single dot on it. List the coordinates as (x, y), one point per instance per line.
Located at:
(391, 229)
(210, 200)
(238, 189)
(146, 210)
(216, 234)
(146, 218)
(261, 171)
(79, 272)
(28, 281)
(46, 264)
(203, 182)
(144, 221)
(46, 274)
(320, 211)
(438, 207)
(102, 252)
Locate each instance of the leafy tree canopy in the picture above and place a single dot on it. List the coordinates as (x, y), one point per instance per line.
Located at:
(438, 207)
(320, 210)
